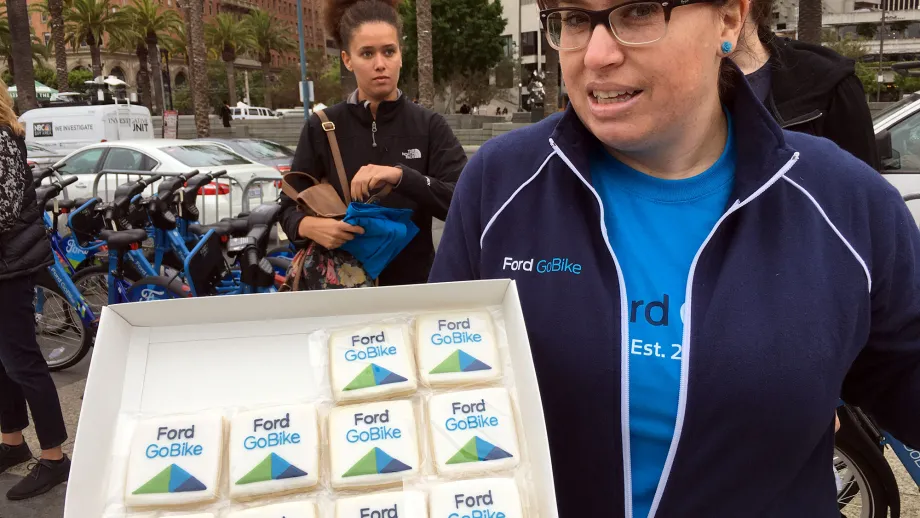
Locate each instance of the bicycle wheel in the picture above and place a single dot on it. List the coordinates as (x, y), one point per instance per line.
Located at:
(862, 493)
(93, 284)
(158, 288)
(62, 337)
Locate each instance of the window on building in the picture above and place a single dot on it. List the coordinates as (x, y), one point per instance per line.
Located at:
(780, 26)
(529, 43)
(507, 46)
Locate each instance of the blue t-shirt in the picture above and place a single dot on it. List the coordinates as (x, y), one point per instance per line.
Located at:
(656, 227)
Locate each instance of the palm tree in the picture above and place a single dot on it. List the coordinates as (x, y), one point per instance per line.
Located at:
(54, 11)
(39, 51)
(22, 52)
(89, 21)
(194, 19)
(809, 28)
(226, 35)
(268, 35)
(130, 39)
(153, 22)
(425, 59)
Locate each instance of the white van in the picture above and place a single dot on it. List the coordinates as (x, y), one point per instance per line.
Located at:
(66, 128)
(252, 112)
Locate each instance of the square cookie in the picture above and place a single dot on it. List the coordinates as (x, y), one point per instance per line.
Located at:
(175, 460)
(274, 450)
(457, 348)
(491, 497)
(373, 444)
(371, 362)
(285, 510)
(473, 431)
(399, 504)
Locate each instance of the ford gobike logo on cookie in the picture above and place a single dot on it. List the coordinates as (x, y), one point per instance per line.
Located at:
(493, 498)
(175, 460)
(396, 504)
(457, 348)
(371, 362)
(274, 450)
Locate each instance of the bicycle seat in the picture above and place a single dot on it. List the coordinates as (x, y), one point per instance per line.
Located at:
(222, 229)
(124, 239)
(62, 205)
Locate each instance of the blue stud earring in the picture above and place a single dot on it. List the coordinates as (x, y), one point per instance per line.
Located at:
(726, 47)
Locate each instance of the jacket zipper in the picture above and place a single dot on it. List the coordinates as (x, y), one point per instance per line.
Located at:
(685, 351)
(624, 340)
(374, 132)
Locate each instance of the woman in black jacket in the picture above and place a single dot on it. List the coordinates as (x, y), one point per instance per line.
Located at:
(384, 139)
(807, 88)
(24, 376)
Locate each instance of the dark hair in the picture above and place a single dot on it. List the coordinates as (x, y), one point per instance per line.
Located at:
(761, 15)
(343, 17)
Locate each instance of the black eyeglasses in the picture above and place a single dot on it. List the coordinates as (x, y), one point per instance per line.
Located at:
(633, 23)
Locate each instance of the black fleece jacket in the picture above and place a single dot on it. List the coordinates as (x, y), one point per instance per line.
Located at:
(814, 90)
(407, 136)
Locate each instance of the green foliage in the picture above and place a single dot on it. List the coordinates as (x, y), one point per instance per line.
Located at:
(76, 79)
(148, 18)
(228, 36)
(466, 38)
(39, 50)
(268, 34)
(90, 19)
(325, 76)
(866, 30)
(46, 76)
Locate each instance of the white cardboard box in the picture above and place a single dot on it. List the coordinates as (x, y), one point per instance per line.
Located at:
(186, 355)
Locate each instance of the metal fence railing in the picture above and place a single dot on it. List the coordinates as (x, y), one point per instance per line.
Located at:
(226, 199)
(254, 189)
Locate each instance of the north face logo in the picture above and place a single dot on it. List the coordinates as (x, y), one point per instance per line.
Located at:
(412, 154)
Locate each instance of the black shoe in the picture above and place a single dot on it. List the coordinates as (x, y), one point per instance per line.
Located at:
(43, 476)
(13, 455)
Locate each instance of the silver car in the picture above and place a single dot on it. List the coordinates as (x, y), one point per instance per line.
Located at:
(40, 157)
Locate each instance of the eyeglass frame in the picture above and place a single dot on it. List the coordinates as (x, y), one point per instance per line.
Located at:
(603, 17)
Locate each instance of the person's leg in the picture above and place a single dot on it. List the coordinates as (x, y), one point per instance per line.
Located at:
(13, 420)
(26, 367)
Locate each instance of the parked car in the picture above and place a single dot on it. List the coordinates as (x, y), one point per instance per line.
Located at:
(897, 134)
(166, 156)
(289, 112)
(40, 156)
(261, 151)
(251, 112)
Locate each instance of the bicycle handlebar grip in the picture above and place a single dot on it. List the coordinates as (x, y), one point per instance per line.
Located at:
(68, 181)
(189, 175)
(252, 256)
(147, 181)
(218, 174)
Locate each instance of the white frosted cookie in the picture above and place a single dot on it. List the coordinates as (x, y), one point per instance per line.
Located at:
(196, 515)
(398, 504)
(175, 460)
(491, 497)
(371, 362)
(373, 444)
(457, 348)
(473, 430)
(285, 510)
(273, 450)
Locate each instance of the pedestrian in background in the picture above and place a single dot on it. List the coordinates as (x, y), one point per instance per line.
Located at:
(693, 278)
(806, 88)
(226, 114)
(24, 375)
(384, 139)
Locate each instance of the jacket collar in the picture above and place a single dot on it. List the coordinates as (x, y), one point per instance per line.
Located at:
(385, 112)
(759, 142)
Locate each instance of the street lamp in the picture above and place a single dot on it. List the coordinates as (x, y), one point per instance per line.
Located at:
(167, 81)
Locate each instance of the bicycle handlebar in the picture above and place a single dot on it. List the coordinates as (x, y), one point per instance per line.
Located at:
(70, 180)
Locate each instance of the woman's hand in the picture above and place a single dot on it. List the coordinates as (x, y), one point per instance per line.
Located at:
(371, 177)
(328, 233)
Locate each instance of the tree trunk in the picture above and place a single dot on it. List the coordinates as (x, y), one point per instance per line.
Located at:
(199, 64)
(153, 56)
(95, 53)
(143, 77)
(551, 83)
(267, 83)
(425, 60)
(809, 27)
(18, 13)
(56, 12)
(231, 81)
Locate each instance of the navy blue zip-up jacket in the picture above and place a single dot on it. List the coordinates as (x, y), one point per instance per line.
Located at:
(808, 288)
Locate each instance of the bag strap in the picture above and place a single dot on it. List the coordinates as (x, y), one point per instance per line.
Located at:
(288, 189)
(329, 128)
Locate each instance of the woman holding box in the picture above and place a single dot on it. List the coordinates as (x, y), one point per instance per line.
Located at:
(700, 286)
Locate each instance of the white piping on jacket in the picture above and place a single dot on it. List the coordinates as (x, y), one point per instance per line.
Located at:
(508, 201)
(685, 352)
(835, 229)
(624, 347)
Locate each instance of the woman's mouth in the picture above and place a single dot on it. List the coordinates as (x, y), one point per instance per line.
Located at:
(614, 96)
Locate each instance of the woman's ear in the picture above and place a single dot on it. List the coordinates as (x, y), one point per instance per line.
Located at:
(346, 59)
(733, 15)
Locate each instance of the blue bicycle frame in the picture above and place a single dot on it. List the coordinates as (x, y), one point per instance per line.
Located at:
(908, 456)
(62, 277)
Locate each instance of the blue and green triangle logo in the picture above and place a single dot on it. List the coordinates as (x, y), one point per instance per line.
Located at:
(372, 376)
(272, 467)
(460, 361)
(478, 450)
(376, 462)
(173, 479)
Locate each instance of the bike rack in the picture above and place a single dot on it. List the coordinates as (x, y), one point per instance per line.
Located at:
(202, 206)
(252, 183)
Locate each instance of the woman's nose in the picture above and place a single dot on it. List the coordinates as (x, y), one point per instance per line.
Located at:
(603, 49)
